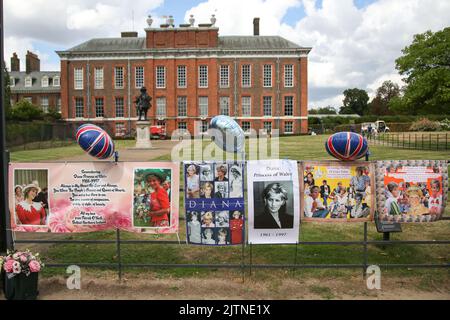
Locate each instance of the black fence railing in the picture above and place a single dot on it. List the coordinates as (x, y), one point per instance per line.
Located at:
(247, 255)
(412, 140)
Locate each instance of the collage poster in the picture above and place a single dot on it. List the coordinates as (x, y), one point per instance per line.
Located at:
(214, 202)
(411, 190)
(273, 202)
(87, 197)
(336, 191)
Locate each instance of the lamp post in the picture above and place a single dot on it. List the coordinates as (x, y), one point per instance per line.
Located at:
(5, 227)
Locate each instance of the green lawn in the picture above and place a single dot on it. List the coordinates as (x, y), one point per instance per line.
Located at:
(299, 148)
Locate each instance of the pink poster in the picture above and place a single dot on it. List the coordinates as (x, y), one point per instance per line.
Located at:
(94, 196)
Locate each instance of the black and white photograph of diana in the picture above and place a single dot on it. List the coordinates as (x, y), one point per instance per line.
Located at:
(206, 172)
(236, 181)
(273, 205)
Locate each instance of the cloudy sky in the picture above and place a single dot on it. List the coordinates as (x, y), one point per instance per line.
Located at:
(355, 42)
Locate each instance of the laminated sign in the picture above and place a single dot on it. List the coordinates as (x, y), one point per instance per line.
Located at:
(214, 202)
(86, 197)
(273, 201)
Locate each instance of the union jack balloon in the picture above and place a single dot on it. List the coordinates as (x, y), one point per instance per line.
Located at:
(347, 146)
(95, 141)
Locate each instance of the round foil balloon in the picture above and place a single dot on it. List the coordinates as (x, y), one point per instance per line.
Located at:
(95, 141)
(228, 135)
(347, 146)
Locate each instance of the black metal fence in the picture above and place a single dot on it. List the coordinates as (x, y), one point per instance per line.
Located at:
(247, 255)
(408, 140)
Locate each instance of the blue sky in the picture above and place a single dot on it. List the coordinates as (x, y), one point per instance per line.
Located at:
(355, 42)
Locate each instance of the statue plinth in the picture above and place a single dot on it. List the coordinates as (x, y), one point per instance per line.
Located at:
(143, 141)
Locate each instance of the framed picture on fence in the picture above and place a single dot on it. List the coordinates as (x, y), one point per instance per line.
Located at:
(411, 190)
(335, 191)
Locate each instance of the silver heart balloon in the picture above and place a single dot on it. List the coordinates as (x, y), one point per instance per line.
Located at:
(227, 133)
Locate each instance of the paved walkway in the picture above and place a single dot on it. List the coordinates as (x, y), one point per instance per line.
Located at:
(162, 147)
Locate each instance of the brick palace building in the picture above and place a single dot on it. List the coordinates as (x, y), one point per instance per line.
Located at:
(192, 74)
(42, 88)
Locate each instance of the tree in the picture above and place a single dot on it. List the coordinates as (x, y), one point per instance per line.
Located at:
(26, 111)
(380, 104)
(426, 67)
(7, 94)
(323, 110)
(355, 101)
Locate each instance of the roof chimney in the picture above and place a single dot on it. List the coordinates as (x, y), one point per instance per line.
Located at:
(129, 34)
(32, 62)
(256, 26)
(15, 62)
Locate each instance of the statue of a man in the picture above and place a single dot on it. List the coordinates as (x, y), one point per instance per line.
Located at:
(143, 104)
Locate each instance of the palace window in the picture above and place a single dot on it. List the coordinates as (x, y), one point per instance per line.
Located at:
(224, 106)
(268, 126)
(12, 82)
(181, 77)
(44, 82)
(161, 107)
(119, 78)
(246, 76)
(267, 106)
(246, 126)
(182, 106)
(160, 77)
(44, 104)
(56, 81)
(267, 74)
(78, 79)
(120, 129)
(79, 108)
(224, 76)
(203, 106)
(139, 77)
(203, 76)
(120, 113)
(246, 106)
(98, 78)
(204, 126)
(28, 81)
(182, 126)
(289, 106)
(288, 127)
(289, 75)
(99, 108)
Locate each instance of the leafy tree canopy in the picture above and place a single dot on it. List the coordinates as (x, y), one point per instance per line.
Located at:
(355, 101)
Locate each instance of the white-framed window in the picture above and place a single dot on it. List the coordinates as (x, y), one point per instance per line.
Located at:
(44, 82)
(29, 99)
(224, 76)
(120, 129)
(79, 107)
(118, 78)
(203, 76)
(246, 106)
(12, 82)
(224, 106)
(28, 81)
(139, 77)
(288, 105)
(289, 75)
(268, 126)
(160, 77)
(120, 107)
(44, 104)
(246, 126)
(267, 75)
(161, 109)
(204, 126)
(203, 106)
(99, 108)
(289, 127)
(58, 104)
(246, 75)
(182, 126)
(181, 77)
(78, 79)
(267, 106)
(98, 78)
(56, 81)
(182, 106)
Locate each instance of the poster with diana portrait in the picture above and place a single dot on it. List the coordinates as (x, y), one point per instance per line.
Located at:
(411, 190)
(273, 201)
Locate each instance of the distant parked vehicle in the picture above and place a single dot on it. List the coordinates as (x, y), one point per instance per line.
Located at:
(158, 132)
(369, 128)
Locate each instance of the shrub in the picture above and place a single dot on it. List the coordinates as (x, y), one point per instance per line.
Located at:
(445, 125)
(425, 125)
(26, 111)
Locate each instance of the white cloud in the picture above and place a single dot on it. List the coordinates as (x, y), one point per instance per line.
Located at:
(62, 24)
(351, 47)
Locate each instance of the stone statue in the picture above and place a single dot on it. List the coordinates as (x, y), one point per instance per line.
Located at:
(143, 104)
